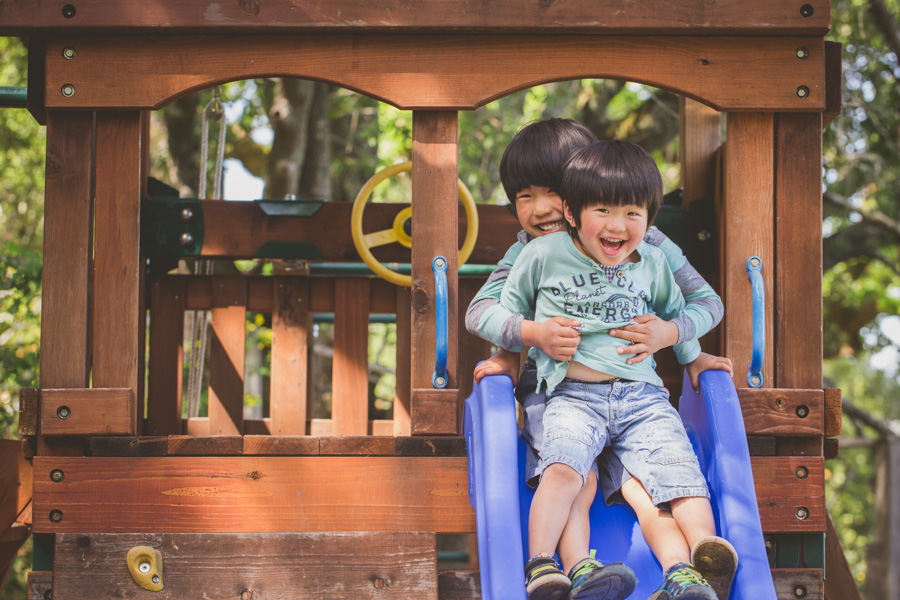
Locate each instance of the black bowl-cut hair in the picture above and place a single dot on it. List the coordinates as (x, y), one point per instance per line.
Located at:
(537, 153)
(611, 173)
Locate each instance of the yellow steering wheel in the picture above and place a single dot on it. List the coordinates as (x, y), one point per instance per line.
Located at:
(398, 231)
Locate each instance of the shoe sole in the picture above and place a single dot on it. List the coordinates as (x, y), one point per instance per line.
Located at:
(717, 562)
(554, 589)
(615, 582)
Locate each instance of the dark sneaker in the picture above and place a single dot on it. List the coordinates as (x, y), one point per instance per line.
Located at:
(683, 582)
(717, 562)
(591, 580)
(544, 580)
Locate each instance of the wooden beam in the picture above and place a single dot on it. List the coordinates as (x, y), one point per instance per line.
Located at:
(834, 79)
(403, 387)
(791, 584)
(205, 445)
(434, 175)
(435, 412)
(367, 566)
(15, 483)
(117, 266)
(841, 585)
(350, 364)
(833, 412)
(765, 17)
(446, 72)
(68, 218)
(226, 355)
(254, 494)
(701, 136)
(783, 412)
(129, 445)
(748, 230)
(91, 411)
(290, 363)
(798, 252)
(166, 369)
(240, 229)
(28, 412)
(791, 492)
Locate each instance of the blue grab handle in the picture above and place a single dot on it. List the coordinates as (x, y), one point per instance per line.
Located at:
(754, 272)
(439, 379)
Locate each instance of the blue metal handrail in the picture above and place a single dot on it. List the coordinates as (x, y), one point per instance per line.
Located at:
(754, 272)
(439, 379)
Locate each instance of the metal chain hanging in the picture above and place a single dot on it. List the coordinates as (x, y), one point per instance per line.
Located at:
(198, 321)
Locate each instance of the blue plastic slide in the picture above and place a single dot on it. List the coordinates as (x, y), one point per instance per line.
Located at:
(501, 499)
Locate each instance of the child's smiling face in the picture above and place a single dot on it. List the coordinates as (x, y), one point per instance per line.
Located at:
(610, 234)
(540, 210)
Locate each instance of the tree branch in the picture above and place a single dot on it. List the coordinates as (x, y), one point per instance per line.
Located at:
(886, 24)
(875, 217)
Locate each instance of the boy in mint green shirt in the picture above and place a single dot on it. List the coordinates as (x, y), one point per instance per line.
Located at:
(603, 274)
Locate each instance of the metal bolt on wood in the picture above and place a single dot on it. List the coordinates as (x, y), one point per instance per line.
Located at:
(56, 475)
(68, 52)
(807, 10)
(186, 239)
(755, 380)
(799, 591)
(802, 91)
(68, 90)
(68, 11)
(802, 411)
(802, 52)
(186, 214)
(56, 515)
(802, 513)
(439, 381)
(801, 472)
(63, 412)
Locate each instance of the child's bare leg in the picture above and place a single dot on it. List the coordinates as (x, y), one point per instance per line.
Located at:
(660, 529)
(694, 517)
(574, 544)
(559, 486)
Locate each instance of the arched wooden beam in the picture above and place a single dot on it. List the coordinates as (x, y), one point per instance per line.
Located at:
(460, 72)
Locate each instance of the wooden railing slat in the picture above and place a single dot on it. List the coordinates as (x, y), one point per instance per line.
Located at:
(167, 296)
(350, 367)
(226, 355)
(290, 368)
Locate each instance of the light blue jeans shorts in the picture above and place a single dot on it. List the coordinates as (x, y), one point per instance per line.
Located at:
(636, 421)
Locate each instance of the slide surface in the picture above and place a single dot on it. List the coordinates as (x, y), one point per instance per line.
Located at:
(501, 499)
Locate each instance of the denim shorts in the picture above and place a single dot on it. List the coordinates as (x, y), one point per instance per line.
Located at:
(636, 421)
(610, 471)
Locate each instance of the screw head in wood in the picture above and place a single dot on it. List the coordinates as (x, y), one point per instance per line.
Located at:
(755, 262)
(807, 10)
(186, 239)
(63, 412)
(68, 11)
(802, 52)
(755, 380)
(799, 591)
(68, 90)
(802, 513)
(68, 53)
(57, 475)
(801, 472)
(704, 235)
(56, 515)
(439, 263)
(156, 579)
(802, 411)
(802, 91)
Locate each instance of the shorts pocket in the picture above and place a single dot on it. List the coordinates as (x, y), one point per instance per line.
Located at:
(667, 443)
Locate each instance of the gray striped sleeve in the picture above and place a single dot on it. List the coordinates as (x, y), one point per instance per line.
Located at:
(685, 326)
(654, 236)
(476, 310)
(511, 333)
(688, 279)
(501, 272)
(713, 306)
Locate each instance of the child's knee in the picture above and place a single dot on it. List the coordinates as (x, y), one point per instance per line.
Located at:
(562, 475)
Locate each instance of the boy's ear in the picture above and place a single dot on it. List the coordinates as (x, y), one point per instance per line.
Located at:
(567, 213)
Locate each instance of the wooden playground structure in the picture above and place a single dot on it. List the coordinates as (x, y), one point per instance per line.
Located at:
(291, 506)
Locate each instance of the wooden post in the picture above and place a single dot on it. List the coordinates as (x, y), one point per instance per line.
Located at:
(117, 266)
(290, 370)
(748, 230)
(350, 365)
(226, 355)
(167, 296)
(65, 318)
(884, 553)
(404, 362)
(701, 136)
(798, 272)
(435, 232)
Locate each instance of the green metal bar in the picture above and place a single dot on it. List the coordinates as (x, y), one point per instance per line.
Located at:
(13, 96)
(332, 268)
(373, 318)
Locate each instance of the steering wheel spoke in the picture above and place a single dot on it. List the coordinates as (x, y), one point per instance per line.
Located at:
(380, 238)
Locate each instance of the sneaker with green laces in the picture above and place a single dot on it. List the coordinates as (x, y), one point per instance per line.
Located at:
(544, 580)
(717, 562)
(592, 580)
(683, 582)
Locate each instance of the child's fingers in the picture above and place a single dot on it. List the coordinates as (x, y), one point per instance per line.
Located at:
(632, 349)
(639, 358)
(644, 318)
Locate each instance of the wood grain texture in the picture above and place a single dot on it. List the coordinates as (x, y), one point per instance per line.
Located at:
(800, 446)
(749, 230)
(228, 324)
(117, 266)
(781, 492)
(798, 272)
(434, 412)
(167, 298)
(282, 445)
(205, 445)
(240, 229)
(129, 445)
(434, 175)
(804, 581)
(290, 367)
(66, 282)
(15, 483)
(783, 412)
(39, 583)
(701, 136)
(455, 72)
(391, 565)
(841, 584)
(459, 585)
(833, 412)
(565, 16)
(28, 412)
(350, 364)
(91, 411)
(403, 387)
(254, 494)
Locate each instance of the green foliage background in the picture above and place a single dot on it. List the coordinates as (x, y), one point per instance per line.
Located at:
(862, 192)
